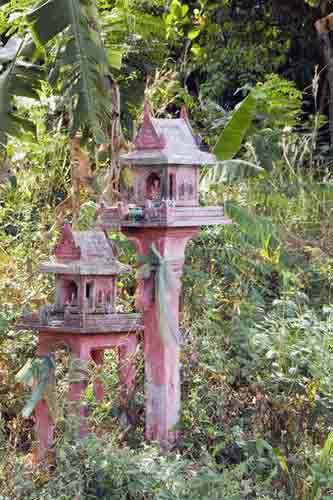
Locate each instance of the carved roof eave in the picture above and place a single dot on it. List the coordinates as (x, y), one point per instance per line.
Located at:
(88, 269)
(165, 157)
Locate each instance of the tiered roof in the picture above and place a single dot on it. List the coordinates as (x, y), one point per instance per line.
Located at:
(83, 253)
(167, 141)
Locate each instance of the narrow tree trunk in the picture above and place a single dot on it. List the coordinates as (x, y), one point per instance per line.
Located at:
(324, 29)
(112, 180)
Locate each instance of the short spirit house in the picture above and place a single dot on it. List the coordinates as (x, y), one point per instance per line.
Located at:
(83, 316)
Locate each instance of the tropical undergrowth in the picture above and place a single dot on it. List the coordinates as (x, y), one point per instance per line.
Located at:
(258, 307)
(256, 365)
(256, 316)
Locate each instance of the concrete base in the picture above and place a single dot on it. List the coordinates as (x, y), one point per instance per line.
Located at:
(84, 348)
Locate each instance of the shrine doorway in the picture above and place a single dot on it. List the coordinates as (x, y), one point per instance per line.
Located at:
(69, 292)
(153, 187)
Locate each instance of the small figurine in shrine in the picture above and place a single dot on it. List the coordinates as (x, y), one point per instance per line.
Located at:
(154, 188)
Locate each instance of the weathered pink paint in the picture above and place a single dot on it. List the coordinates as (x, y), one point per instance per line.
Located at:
(44, 428)
(166, 179)
(149, 137)
(98, 357)
(161, 360)
(162, 208)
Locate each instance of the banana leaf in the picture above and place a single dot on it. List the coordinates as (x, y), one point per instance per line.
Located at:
(231, 138)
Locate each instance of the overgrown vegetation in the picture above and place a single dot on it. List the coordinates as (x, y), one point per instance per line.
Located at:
(257, 308)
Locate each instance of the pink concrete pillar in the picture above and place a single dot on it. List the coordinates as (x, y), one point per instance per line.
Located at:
(98, 357)
(162, 368)
(44, 425)
(44, 428)
(127, 367)
(77, 387)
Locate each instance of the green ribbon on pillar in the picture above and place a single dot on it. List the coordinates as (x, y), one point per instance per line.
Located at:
(165, 284)
(40, 374)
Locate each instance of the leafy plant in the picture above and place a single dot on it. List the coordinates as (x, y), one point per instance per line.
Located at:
(19, 79)
(81, 55)
(321, 472)
(233, 134)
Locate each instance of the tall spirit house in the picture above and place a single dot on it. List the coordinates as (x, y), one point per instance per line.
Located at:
(165, 167)
(160, 213)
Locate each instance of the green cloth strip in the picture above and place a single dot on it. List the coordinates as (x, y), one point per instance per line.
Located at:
(164, 286)
(39, 372)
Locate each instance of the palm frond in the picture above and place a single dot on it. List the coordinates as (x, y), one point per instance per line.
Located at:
(230, 172)
(81, 60)
(258, 228)
(48, 19)
(19, 79)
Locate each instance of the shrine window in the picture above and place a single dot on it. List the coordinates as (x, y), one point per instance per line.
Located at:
(89, 290)
(182, 191)
(153, 187)
(190, 190)
(70, 292)
(171, 186)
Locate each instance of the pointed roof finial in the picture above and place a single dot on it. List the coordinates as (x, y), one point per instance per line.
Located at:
(67, 248)
(67, 231)
(185, 116)
(147, 114)
(184, 113)
(148, 136)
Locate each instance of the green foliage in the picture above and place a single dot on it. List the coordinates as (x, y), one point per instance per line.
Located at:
(232, 136)
(256, 306)
(18, 79)
(320, 471)
(280, 102)
(297, 343)
(230, 171)
(82, 55)
(266, 106)
(94, 469)
(254, 43)
(177, 18)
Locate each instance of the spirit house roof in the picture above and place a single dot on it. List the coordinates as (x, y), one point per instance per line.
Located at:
(167, 141)
(84, 253)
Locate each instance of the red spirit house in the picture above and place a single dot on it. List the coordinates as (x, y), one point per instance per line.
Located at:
(165, 166)
(161, 211)
(83, 316)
